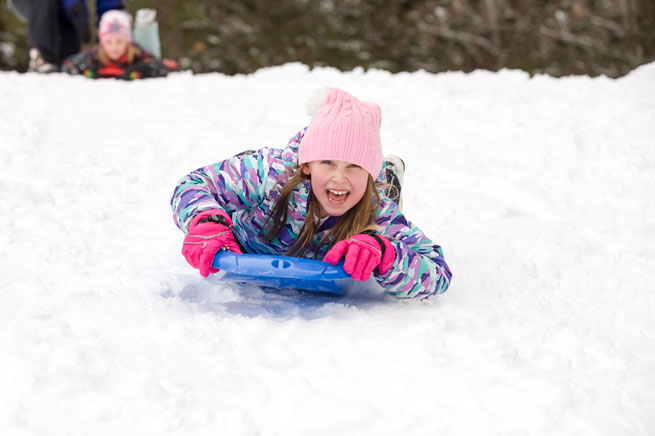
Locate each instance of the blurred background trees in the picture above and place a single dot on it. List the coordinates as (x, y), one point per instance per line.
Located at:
(558, 37)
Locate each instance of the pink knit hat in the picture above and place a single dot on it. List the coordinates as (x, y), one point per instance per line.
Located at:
(115, 23)
(344, 128)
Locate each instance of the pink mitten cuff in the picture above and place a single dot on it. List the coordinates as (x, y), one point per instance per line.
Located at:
(210, 212)
(388, 255)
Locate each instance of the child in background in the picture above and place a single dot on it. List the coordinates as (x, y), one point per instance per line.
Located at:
(116, 55)
(316, 198)
(57, 28)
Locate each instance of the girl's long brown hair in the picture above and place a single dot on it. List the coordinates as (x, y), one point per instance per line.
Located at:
(358, 219)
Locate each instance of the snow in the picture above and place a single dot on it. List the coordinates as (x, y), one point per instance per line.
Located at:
(540, 191)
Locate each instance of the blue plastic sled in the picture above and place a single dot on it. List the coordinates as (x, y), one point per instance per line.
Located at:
(282, 272)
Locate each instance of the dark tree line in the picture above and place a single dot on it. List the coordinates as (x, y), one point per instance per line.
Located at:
(557, 37)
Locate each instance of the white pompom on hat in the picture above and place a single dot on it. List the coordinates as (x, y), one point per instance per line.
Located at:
(115, 23)
(343, 128)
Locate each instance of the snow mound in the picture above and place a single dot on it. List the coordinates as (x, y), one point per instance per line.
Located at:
(540, 191)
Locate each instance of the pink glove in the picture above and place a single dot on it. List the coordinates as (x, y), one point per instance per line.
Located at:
(209, 231)
(363, 253)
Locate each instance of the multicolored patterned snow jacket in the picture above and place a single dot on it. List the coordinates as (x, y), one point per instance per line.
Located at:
(143, 66)
(248, 186)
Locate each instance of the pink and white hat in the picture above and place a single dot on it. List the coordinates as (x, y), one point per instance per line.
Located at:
(344, 128)
(117, 24)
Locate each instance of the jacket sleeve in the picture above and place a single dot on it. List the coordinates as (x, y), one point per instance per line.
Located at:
(237, 183)
(81, 63)
(419, 269)
(148, 66)
(145, 69)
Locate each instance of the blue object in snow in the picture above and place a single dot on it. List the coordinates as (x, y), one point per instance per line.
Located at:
(282, 272)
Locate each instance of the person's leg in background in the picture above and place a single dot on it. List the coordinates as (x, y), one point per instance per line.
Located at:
(73, 28)
(55, 31)
(43, 35)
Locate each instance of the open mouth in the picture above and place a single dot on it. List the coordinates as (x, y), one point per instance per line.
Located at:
(337, 196)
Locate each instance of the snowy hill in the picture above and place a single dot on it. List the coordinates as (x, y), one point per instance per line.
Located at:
(539, 190)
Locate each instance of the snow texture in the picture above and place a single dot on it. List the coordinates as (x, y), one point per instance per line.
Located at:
(540, 191)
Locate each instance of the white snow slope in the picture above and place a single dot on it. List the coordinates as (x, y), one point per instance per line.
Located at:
(540, 191)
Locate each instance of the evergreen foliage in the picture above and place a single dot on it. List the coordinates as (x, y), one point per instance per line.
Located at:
(558, 37)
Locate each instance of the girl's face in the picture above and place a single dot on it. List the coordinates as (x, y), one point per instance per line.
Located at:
(337, 185)
(114, 47)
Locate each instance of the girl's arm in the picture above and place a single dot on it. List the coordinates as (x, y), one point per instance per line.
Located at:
(419, 269)
(148, 66)
(233, 184)
(80, 63)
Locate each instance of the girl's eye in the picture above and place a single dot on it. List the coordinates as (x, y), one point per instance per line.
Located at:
(353, 166)
(326, 162)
